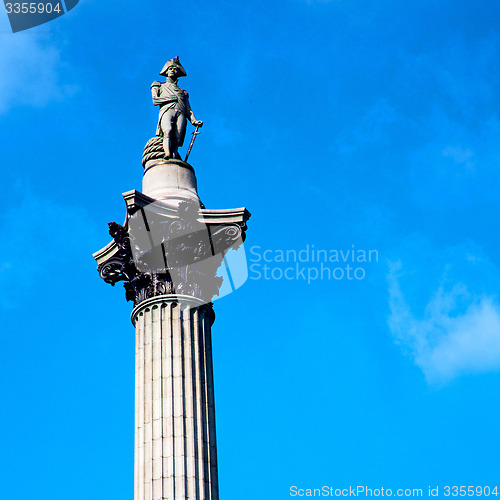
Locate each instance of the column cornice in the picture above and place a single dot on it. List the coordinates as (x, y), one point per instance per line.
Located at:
(163, 251)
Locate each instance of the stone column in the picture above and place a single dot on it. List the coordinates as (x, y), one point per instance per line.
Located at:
(175, 445)
(167, 253)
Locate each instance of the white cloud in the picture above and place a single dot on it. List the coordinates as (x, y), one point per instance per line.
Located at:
(458, 334)
(29, 66)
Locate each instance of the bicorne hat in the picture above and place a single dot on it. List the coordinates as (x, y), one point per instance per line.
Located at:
(173, 62)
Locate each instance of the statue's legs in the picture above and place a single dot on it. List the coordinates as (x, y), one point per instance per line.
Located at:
(180, 129)
(173, 126)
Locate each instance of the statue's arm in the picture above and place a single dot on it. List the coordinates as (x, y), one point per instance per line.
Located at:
(155, 90)
(194, 121)
(155, 93)
(158, 101)
(191, 117)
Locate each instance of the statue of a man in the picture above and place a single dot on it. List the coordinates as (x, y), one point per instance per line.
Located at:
(174, 108)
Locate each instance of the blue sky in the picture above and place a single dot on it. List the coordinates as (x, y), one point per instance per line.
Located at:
(336, 123)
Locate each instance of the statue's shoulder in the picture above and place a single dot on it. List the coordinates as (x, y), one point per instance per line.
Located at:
(156, 84)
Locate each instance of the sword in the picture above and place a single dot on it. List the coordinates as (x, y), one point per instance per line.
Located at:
(194, 134)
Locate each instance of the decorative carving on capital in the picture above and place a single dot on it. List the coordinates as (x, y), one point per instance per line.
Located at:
(157, 253)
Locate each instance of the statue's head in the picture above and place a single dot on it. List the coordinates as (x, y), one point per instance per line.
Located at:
(173, 68)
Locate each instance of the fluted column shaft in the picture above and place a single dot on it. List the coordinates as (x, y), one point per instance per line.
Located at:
(175, 444)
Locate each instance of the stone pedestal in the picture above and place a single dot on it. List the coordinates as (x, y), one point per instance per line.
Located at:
(175, 446)
(170, 180)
